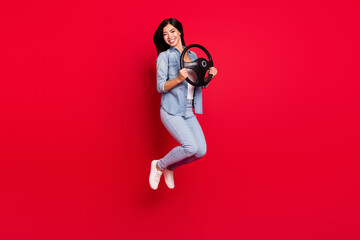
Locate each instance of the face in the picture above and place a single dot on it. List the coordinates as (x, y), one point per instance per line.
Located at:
(172, 36)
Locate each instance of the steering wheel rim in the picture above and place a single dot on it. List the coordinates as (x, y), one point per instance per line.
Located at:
(199, 66)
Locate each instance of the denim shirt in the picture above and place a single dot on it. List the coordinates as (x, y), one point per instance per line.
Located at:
(174, 100)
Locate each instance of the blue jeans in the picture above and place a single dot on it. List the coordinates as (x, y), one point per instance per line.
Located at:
(187, 131)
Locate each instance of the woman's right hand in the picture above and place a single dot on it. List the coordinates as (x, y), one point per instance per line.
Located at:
(183, 74)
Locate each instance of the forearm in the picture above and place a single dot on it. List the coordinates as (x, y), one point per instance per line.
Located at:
(172, 83)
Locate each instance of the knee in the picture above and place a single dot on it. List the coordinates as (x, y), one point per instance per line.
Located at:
(201, 151)
(190, 149)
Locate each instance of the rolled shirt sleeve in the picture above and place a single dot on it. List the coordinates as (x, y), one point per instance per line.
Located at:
(162, 69)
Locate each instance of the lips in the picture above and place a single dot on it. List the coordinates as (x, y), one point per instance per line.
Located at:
(171, 41)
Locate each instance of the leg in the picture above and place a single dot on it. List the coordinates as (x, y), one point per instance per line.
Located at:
(179, 129)
(195, 128)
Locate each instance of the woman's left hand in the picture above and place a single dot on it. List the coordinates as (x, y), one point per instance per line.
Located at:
(213, 71)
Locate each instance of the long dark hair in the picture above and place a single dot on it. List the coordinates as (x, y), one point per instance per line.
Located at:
(158, 38)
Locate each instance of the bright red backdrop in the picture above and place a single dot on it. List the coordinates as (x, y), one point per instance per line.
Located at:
(80, 122)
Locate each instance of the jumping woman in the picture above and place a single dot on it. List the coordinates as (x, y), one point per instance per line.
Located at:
(177, 102)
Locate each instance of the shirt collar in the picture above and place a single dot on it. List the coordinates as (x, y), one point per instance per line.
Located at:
(175, 49)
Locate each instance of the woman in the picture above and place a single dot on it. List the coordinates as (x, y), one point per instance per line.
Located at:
(177, 101)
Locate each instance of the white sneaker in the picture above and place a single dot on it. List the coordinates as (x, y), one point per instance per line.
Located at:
(155, 175)
(169, 178)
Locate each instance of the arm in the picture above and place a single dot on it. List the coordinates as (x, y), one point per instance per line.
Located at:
(172, 83)
(162, 69)
(183, 74)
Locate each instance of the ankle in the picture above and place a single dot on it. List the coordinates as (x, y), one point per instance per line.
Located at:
(157, 168)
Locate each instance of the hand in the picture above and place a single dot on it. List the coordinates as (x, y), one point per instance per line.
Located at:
(183, 74)
(213, 71)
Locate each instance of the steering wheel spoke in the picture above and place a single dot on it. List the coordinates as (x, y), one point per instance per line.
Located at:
(191, 65)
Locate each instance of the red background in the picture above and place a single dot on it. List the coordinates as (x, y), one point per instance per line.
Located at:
(80, 122)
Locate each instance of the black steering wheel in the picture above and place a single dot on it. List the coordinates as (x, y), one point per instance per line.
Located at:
(199, 67)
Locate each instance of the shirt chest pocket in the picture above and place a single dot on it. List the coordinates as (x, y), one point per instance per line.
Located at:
(174, 68)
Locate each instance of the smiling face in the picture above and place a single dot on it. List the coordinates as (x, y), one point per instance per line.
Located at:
(172, 36)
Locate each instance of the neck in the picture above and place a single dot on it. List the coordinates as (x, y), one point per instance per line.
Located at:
(179, 47)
